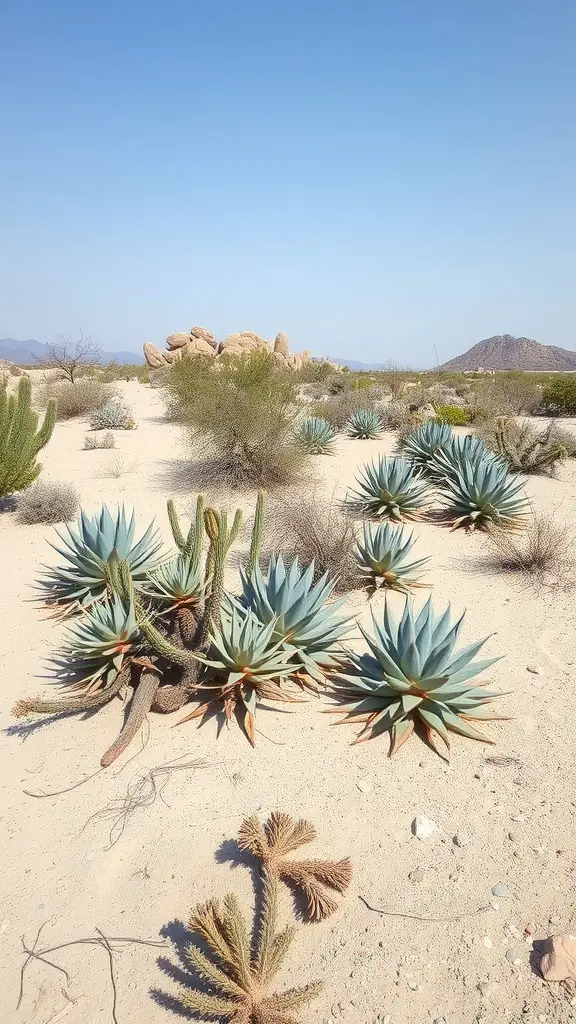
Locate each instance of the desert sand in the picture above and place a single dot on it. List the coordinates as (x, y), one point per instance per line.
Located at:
(506, 813)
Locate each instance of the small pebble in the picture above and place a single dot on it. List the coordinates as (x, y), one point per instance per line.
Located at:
(555, 920)
(501, 890)
(513, 837)
(487, 941)
(424, 828)
(462, 839)
(364, 787)
(530, 928)
(494, 905)
(440, 1020)
(536, 670)
(513, 958)
(486, 988)
(417, 875)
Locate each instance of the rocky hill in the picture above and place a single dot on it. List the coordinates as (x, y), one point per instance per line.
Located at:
(26, 353)
(504, 352)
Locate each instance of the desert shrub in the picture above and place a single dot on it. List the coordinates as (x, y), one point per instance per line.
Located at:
(124, 371)
(524, 447)
(567, 439)
(397, 416)
(243, 408)
(118, 465)
(48, 501)
(113, 415)
(339, 408)
(504, 394)
(313, 527)
(92, 441)
(559, 396)
(158, 378)
(545, 552)
(77, 399)
(452, 414)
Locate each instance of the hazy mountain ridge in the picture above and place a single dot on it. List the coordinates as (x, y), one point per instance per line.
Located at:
(25, 353)
(505, 352)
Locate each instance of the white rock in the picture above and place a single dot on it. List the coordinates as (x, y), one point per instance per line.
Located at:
(364, 787)
(536, 670)
(424, 828)
(487, 941)
(462, 839)
(501, 890)
(486, 988)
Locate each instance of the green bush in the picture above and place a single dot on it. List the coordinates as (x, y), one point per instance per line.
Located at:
(20, 438)
(452, 414)
(245, 408)
(77, 399)
(124, 371)
(559, 396)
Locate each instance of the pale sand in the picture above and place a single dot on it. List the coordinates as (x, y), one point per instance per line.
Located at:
(58, 869)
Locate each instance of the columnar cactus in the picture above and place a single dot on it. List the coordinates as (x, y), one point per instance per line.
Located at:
(20, 438)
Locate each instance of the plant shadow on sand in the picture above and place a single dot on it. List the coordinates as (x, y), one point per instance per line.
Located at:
(179, 969)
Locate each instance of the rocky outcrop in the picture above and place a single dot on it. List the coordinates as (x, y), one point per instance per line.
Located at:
(200, 341)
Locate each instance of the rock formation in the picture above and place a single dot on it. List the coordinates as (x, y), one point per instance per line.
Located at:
(200, 341)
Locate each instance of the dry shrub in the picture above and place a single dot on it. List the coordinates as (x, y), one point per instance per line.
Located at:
(78, 399)
(338, 408)
(526, 448)
(506, 394)
(544, 553)
(48, 501)
(92, 441)
(118, 464)
(240, 412)
(314, 528)
(124, 371)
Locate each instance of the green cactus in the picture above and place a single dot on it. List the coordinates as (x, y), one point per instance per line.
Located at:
(20, 438)
(191, 545)
(257, 528)
(221, 539)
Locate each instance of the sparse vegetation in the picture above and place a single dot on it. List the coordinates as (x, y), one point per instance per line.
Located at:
(313, 527)
(21, 438)
(113, 415)
(48, 501)
(544, 553)
(70, 358)
(93, 441)
(559, 396)
(315, 436)
(452, 414)
(524, 447)
(79, 398)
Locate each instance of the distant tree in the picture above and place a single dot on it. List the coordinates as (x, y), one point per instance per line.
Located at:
(70, 357)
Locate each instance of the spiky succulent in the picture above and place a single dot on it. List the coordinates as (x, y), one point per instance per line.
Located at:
(460, 452)
(364, 424)
(307, 626)
(249, 662)
(178, 583)
(315, 436)
(482, 495)
(389, 489)
(86, 550)
(97, 644)
(413, 678)
(383, 556)
(421, 445)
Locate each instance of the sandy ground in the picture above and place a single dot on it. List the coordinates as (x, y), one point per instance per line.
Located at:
(515, 816)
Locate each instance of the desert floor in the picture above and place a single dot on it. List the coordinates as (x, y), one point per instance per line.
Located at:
(70, 863)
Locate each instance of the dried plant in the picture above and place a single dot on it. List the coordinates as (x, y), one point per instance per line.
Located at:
(117, 465)
(48, 501)
(313, 527)
(544, 553)
(93, 441)
(76, 399)
(281, 835)
(238, 971)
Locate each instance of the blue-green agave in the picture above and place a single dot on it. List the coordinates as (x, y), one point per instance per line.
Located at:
(304, 621)
(412, 677)
(315, 436)
(177, 583)
(482, 495)
(364, 424)
(383, 554)
(420, 446)
(389, 489)
(250, 663)
(97, 644)
(86, 550)
(459, 453)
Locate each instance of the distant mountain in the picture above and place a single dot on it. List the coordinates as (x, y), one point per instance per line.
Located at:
(353, 365)
(504, 352)
(26, 353)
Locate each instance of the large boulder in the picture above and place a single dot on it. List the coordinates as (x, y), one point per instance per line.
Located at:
(281, 345)
(204, 335)
(198, 347)
(177, 340)
(153, 356)
(245, 341)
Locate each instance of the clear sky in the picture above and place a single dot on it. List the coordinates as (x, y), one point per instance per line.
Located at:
(375, 178)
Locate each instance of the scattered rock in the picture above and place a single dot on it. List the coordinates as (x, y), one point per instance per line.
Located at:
(555, 920)
(462, 839)
(501, 890)
(513, 837)
(513, 958)
(487, 942)
(364, 787)
(559, 960)
(487, 988)
(424, 828)
(440, 1020)
(494, 905)
(417, 875)
(536, 670)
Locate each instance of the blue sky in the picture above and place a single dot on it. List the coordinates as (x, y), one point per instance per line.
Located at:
(374, 178)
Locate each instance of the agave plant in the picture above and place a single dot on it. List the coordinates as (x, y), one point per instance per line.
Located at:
(315, 436)
(249, 662)
(302, 620)
(364, 424)
(383, 557)
(97, 644)
(177, 583)
(482, 495)
(86, 550)
(412, 677)
(460, 452)
(421, 445)
(389, 489)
